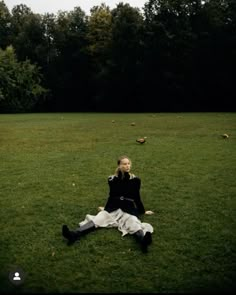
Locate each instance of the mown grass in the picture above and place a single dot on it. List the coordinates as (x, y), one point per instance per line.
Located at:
(54, 170)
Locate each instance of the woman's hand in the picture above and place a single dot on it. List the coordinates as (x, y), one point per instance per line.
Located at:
(100, 208)
(149, 212)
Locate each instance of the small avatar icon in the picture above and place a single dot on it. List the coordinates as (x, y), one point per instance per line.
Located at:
(17, 277)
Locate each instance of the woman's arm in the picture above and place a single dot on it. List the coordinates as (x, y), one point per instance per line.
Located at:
(138, 201)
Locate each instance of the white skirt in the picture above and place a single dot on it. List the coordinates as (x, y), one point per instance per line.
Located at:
(126, 223)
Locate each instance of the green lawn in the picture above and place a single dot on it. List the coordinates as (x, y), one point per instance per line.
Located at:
(54, 170)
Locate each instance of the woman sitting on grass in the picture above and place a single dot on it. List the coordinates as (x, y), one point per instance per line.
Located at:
(122, 209)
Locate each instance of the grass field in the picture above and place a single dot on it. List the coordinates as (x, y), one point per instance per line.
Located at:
(54, 170)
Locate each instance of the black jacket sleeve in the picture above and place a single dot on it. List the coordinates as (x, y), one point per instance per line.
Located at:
(138, 200)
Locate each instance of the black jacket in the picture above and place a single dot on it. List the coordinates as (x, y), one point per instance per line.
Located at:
(125, 194)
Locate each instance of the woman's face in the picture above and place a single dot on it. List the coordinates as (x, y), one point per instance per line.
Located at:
(125, 165)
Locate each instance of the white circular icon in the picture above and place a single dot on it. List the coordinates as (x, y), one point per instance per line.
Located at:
(17, 276)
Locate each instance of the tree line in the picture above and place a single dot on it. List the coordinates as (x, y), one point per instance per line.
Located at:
(173, 55)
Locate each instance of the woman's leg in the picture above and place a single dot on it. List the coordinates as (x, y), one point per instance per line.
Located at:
(76, 234)
(144, 239)
(91, 222)
(141, 231)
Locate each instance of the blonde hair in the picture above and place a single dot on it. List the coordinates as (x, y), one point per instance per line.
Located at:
(117, 171)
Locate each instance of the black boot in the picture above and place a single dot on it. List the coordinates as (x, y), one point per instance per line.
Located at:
(75, 235)
(144, 240)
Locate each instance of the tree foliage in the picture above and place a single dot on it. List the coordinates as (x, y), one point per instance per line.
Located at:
(173, 55)
(5, 25)
(20, 88)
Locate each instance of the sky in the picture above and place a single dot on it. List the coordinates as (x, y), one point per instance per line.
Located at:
(53, 6)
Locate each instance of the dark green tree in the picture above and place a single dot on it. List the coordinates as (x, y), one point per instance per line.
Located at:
(71, 83)
(27, 33)
(5, 25)
(20, 83)
(99, 37)
(126, 56)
